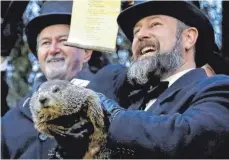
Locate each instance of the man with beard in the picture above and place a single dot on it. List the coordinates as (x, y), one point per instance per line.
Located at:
(46, 35)
(176, 110)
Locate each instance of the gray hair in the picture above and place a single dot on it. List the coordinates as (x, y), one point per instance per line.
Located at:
(37, 42)
(181, 27)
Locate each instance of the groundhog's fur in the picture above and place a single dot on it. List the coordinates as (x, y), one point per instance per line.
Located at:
(56, 100)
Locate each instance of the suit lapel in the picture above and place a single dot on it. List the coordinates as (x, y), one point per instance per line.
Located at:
(173, 90)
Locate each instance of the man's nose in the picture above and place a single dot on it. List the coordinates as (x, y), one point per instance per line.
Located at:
(54, 48)
(143, 34)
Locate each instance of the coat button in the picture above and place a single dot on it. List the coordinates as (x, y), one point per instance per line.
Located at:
(42, 137)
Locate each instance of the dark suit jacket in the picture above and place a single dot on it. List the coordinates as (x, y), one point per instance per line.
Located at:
(189, 120)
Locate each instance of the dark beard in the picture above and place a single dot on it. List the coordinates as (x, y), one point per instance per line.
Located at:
(157, 66)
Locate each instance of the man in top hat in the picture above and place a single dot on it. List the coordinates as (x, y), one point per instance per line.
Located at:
(175, 110)
(46, 35)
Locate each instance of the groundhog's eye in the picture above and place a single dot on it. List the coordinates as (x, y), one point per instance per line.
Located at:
(55, 89)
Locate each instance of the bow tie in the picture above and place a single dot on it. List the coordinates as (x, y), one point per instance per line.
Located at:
(148, 92)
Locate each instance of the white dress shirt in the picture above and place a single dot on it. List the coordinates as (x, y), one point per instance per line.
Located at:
(171, 80)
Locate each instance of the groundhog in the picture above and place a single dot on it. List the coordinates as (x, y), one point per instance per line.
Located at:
(61, 109)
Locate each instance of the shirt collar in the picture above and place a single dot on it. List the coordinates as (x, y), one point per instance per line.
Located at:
(176, 76)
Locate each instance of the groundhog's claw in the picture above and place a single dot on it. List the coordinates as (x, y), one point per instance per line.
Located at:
(57, 130)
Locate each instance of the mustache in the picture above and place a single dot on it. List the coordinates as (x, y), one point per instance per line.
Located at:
(146, 43)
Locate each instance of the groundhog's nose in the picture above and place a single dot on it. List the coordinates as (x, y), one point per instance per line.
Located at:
(42, 99)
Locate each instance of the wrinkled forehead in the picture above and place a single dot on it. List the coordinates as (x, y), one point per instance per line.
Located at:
(162, 18)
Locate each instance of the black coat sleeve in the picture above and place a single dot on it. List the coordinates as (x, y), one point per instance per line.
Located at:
(202, 130)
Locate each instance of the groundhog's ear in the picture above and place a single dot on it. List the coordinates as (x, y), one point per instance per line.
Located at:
(95, 112)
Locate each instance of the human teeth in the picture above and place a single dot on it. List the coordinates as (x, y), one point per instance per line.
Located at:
(147, 49)
(55, 60)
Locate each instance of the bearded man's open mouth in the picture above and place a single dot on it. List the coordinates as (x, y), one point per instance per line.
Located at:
(148, 50)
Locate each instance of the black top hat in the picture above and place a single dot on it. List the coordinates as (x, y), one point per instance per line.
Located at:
(52, 12)
(181, 10)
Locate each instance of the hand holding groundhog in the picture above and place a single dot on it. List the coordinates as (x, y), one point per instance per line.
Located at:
(73, 116)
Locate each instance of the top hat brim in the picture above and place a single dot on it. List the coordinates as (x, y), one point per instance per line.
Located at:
(181, 10)
(36, 25)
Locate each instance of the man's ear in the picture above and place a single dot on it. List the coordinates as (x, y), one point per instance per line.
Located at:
(190, 37)
(87, 55)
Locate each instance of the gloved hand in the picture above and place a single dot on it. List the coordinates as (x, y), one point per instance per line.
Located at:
(111, 108)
